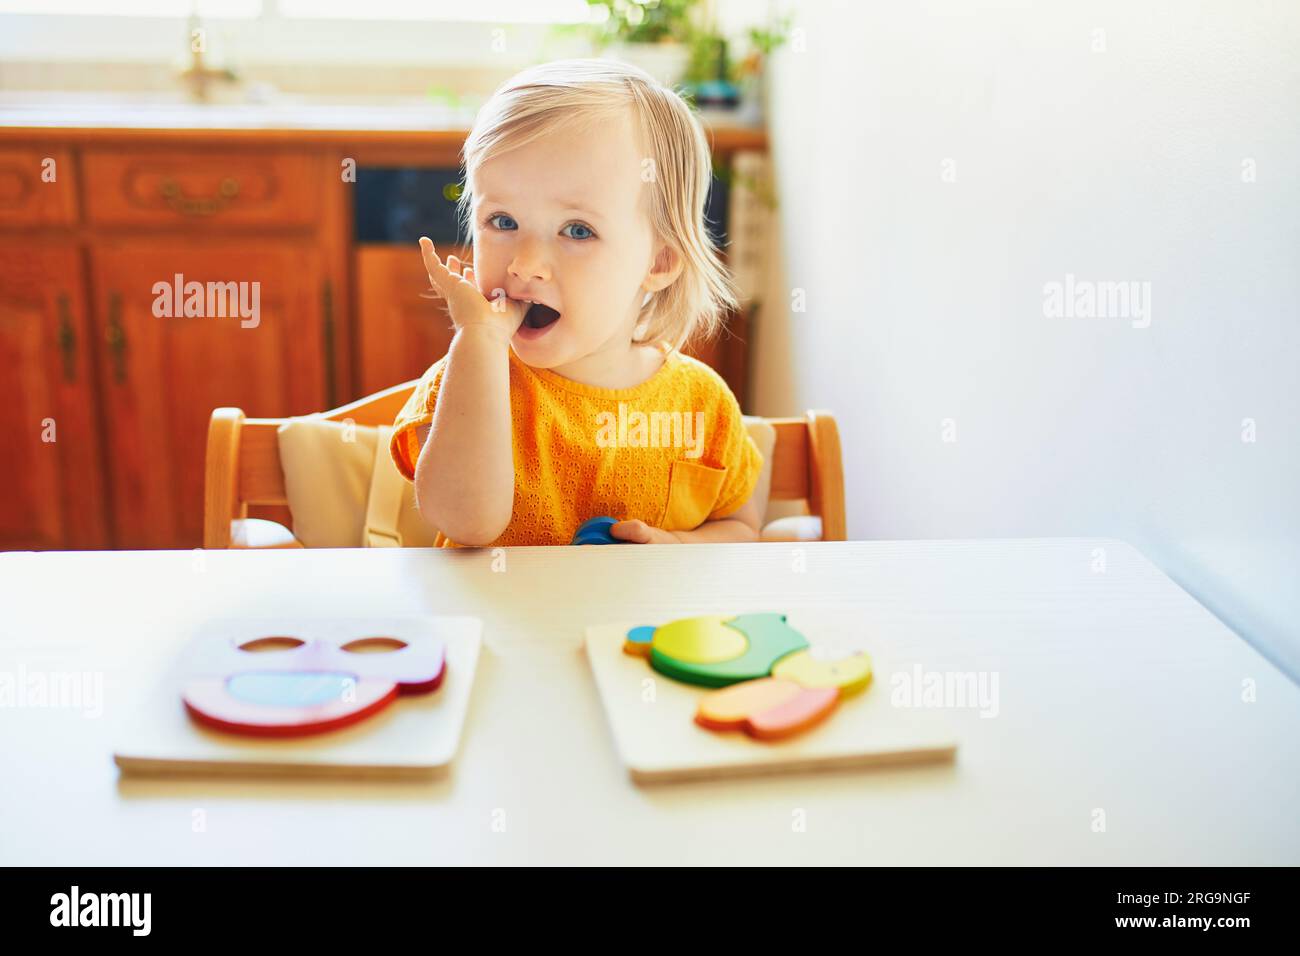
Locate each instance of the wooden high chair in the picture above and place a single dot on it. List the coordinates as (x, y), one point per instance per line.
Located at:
(243, 468)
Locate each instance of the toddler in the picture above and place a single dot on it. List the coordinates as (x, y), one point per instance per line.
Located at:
(564, 394)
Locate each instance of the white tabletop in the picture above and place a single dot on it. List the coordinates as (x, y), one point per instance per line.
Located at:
(1118, 693)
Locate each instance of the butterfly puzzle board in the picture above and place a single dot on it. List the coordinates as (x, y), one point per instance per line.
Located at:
(414, 734)
(651, 716)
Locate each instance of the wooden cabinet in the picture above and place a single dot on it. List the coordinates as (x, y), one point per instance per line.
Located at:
(51, 486)
(258, 343)
(142, 286)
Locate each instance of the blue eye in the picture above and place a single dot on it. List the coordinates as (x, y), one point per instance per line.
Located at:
(505, 224)
(588, 234)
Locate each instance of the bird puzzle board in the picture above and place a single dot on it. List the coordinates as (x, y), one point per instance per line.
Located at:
(413, 734)
(652, 716)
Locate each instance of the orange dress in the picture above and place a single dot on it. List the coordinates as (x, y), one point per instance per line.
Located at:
(672, 451)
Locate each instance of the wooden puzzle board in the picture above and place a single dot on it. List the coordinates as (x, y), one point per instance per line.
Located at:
(658, 740)
(415, 736)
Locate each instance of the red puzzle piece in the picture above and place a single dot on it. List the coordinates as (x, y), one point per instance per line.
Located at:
(306, 687)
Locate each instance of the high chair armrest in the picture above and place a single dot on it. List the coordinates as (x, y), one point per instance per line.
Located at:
(221, 476)
(793, 528)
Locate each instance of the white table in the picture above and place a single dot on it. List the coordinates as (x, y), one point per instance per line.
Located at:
(1117, 692)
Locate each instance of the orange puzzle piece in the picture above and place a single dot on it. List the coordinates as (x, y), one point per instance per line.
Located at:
(798, 691)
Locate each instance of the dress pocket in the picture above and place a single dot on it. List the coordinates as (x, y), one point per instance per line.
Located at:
(692, 491)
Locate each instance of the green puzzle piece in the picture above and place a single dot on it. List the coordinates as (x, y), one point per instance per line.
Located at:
(770, 638)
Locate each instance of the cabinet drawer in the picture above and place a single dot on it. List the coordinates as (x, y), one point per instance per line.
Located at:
(37, 187)
(212, 188)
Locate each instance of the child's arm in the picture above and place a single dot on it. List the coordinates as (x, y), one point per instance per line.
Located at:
(465, 477)
(740, 525)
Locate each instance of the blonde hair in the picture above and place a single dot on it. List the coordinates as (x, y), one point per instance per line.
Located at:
(539, 99)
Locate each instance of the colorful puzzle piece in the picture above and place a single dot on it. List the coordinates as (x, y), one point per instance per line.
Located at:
(715, 651)
(849, 674)
(770, 684)
(697, 640)
(638, 641)
(768, 708)
(292, 687)
(596, 531)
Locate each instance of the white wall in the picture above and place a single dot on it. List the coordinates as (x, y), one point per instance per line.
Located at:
(925, 298)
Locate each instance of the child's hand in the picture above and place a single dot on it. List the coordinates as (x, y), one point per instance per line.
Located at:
(638, 532)
(464, 301)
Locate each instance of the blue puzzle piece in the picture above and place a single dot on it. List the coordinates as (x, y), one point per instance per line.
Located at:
(642, 635)
(596, 531)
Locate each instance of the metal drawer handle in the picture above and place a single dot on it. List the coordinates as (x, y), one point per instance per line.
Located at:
(202, 206)
(67, 339)
(115, 337)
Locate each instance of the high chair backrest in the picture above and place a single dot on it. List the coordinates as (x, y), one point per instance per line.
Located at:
(243, 462)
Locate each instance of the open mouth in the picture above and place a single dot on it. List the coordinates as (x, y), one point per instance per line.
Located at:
(539, 316)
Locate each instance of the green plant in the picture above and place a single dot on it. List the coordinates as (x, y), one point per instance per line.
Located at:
(654, 21)
(678, 21)
(763, 41)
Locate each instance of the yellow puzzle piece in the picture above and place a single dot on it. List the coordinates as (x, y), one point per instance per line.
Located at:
(700, 640)
(849, 674)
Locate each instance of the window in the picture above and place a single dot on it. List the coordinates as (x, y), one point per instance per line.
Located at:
(498, 11)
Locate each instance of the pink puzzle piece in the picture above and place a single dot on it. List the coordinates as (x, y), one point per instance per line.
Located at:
(298, 687)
